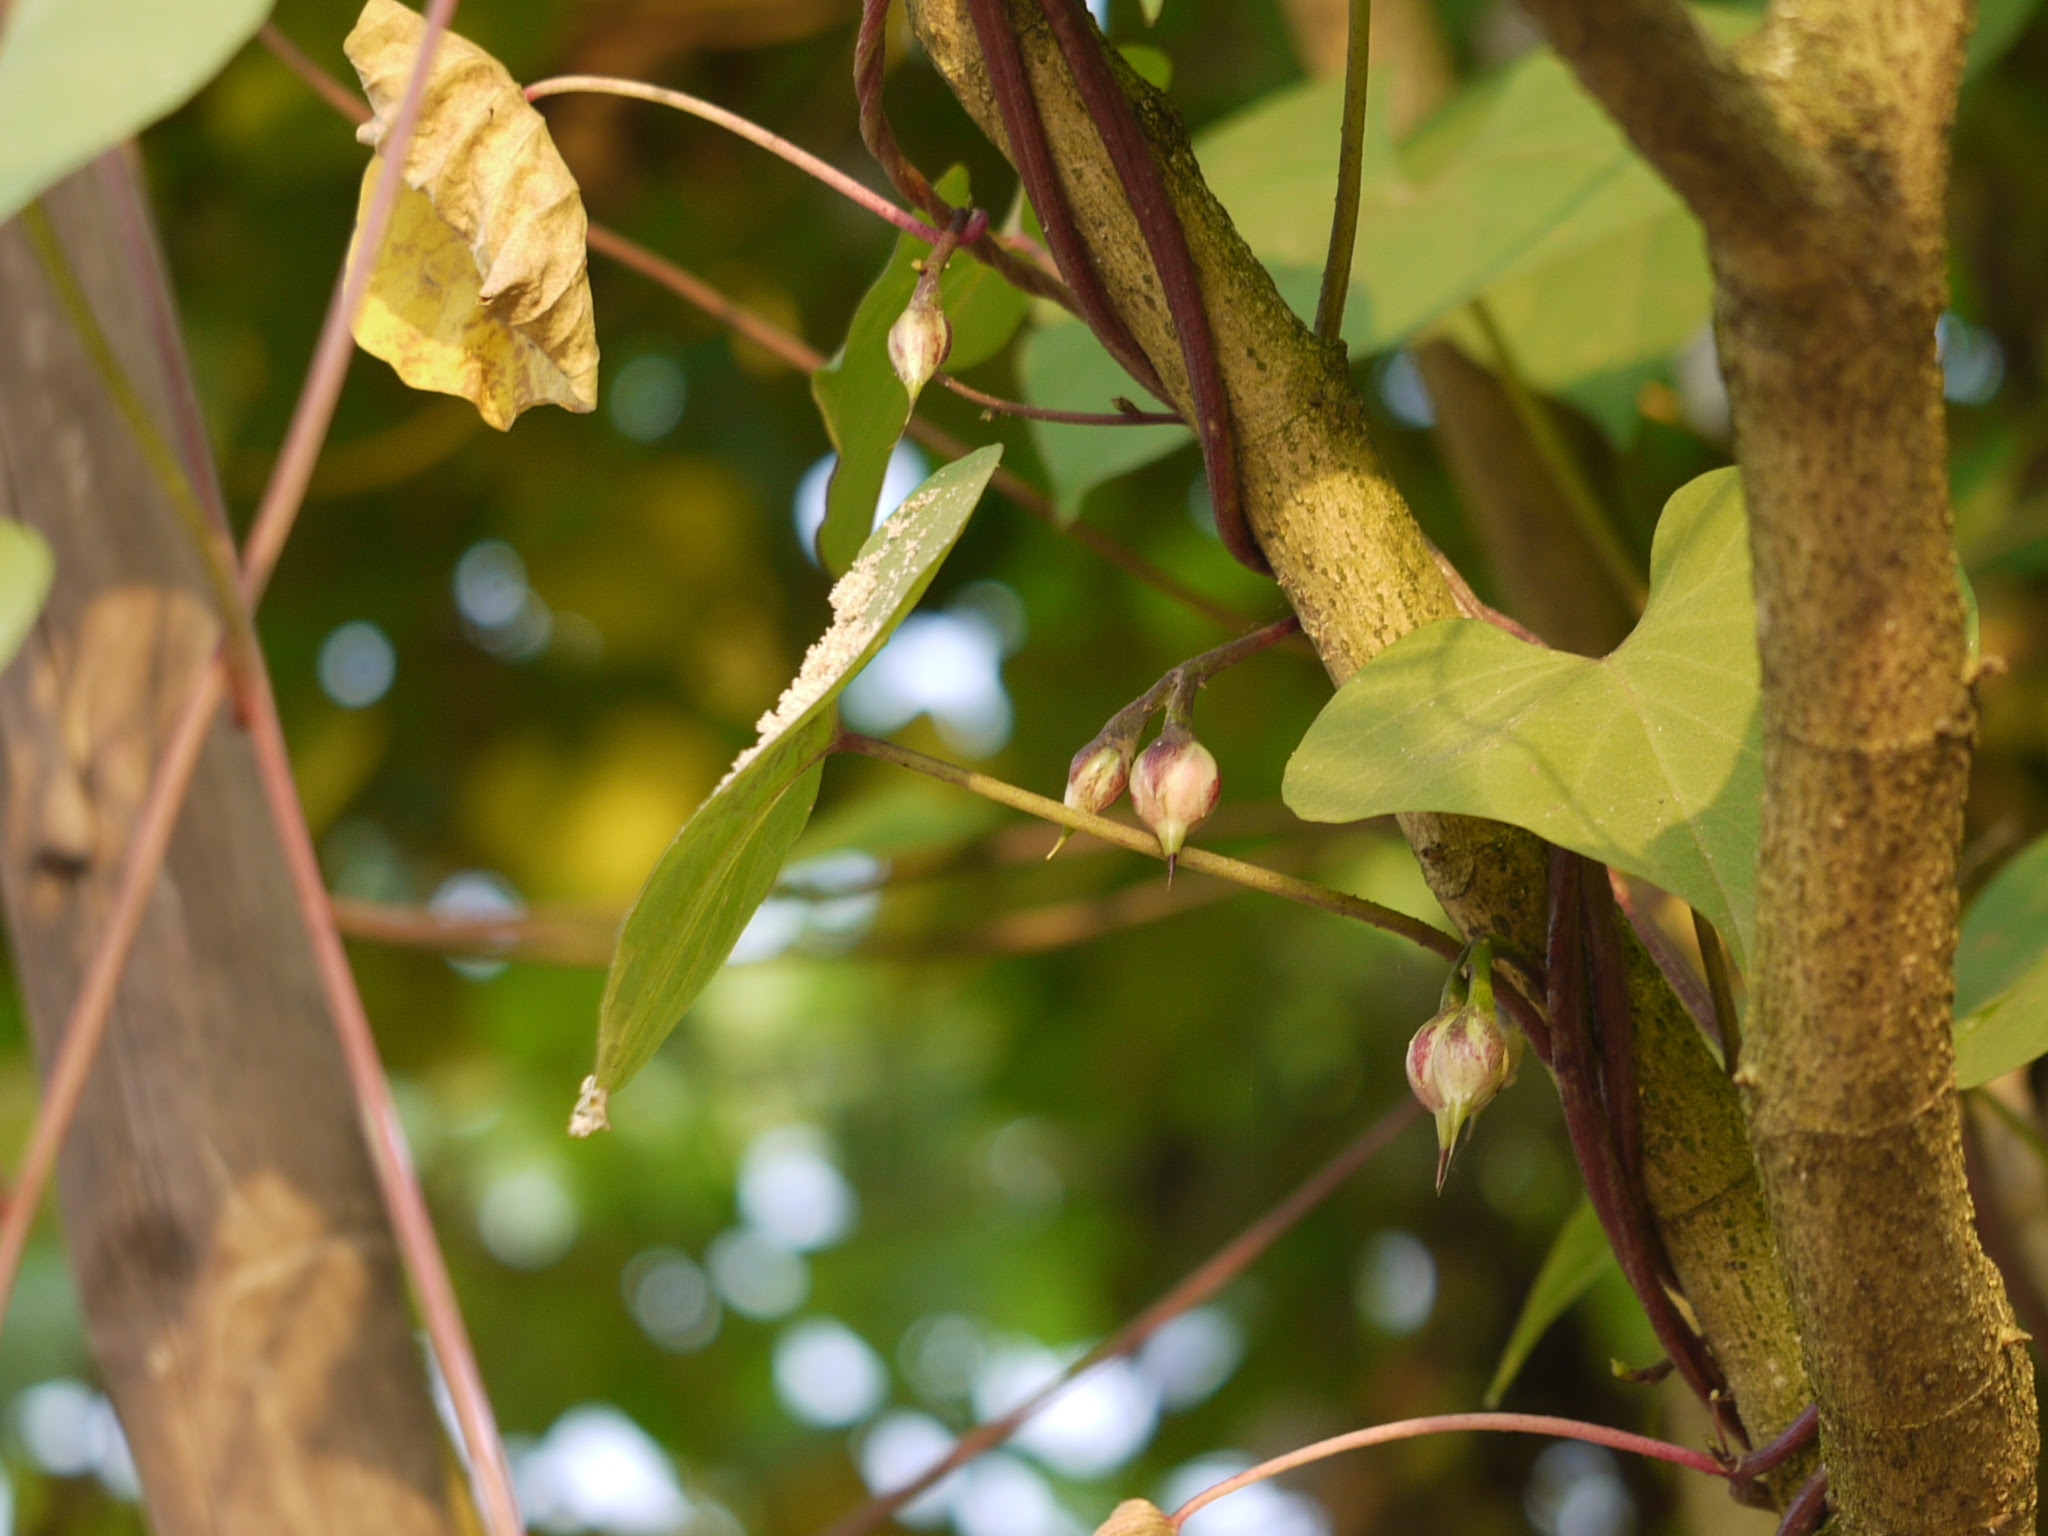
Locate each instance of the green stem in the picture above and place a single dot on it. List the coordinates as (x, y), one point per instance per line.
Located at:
(209, 537)
(1252, 876)
(1564, 470)
(1350, 161)
(1721, 987)
(1482, 977)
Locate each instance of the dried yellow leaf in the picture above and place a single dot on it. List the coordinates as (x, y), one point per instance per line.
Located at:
(482, 289)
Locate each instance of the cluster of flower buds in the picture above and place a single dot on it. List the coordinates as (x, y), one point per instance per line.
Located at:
(1463, 1057)
(1174, 782)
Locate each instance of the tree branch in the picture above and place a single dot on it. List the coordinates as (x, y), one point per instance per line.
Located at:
(1711, 128)
(1356, 568)
(1821, 177)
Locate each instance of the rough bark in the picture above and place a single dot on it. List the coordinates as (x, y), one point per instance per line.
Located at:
(1346, 550)
(1817, 160)
(239, 1280)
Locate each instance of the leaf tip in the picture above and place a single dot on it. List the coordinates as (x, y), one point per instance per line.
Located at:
(589, 1117)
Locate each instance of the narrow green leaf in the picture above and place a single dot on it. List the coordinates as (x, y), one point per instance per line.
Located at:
(1648, 760)
(865, 405)
(727, 856)
(79, 76)
(26, 567)
(1578, 1257)
(2002, 972)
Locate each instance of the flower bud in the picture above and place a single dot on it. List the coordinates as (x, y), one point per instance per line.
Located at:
(1097, 778)
(1457, 1062)
(1136, 1517)
(920, 339)
(1175, 786)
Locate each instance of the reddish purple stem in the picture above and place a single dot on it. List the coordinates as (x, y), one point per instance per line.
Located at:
(1080, 44)
(1451, 1423)
(1033, 158)
(1590, 1124)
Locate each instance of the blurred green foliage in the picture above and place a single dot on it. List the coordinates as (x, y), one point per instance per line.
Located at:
(1051, 1092)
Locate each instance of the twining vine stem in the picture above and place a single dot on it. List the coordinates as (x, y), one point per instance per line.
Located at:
(1585, 980)
(870, 63)
(1350, 167)
(798, 354)
(1451, 1423)
(1032, 154)
(746, 128)
(1166, 241)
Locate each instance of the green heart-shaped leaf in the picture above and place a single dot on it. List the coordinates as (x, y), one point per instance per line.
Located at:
(1648, 760)
(725, 860)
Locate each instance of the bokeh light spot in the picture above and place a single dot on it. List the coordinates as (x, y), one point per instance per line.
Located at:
(1396, 1288)
(907, 470)
(1404, 393)
(896, 1450)
(597, 1470)
(476, 893)
(1972, 361)
(940, 1356)
(1576, 1489)
(527, 1219)
(826, 1374)
(757, 1276)
(357, 665)
(790, 1190)
(1095, 1424)
(70, 1430)
(1263, 1509)
(1003, 1496)
(1191, 1356)
(647, 398)
(671, 1299)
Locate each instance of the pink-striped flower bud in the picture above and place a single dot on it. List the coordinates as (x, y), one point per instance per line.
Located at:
(1457, 1062)
(920, 340)
(1175, 785)
(1097, 778)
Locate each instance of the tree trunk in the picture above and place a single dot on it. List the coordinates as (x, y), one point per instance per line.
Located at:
(239, 1278)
